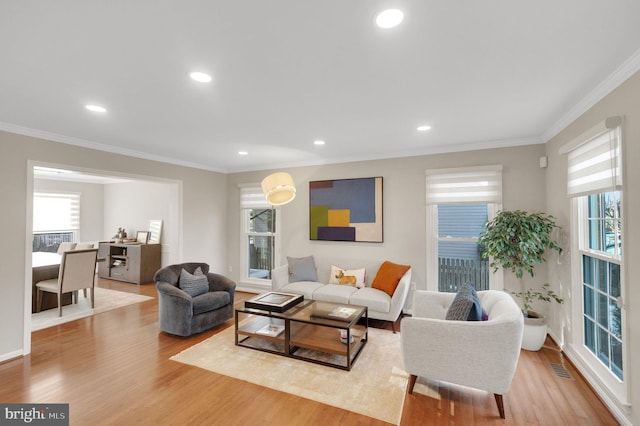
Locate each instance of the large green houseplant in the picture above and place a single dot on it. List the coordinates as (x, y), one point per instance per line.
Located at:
(517, 241)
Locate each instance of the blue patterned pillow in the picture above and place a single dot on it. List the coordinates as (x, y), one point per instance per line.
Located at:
(193, 284)
(466, 305)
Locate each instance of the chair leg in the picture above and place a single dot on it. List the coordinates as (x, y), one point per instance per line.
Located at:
(393, 326)
(500, 404)
(412, 383)
(38, 300)
(59, 304)
(93, 292)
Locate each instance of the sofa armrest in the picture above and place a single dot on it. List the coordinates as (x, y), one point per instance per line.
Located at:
(400, 295)
(175, 302)
(166, 289)
(219, 282)
(279, 277)
(479, 354)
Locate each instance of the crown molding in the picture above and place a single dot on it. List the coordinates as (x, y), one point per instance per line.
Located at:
(439, 149)
(615, 79)
(54, 137)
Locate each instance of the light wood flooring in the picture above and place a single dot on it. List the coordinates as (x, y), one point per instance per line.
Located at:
(114, 368)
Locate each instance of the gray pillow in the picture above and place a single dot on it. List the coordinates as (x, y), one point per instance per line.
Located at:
(302, 269)
(193, 284)
(466, 305)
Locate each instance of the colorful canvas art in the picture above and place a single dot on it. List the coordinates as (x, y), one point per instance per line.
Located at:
(346, 210)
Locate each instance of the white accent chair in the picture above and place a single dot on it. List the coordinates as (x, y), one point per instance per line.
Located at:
(477, 354)
(77, 272)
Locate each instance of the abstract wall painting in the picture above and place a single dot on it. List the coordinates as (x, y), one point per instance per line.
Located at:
(346, 210)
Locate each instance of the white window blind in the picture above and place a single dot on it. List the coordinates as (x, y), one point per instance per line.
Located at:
(252, 197)
(465, 185)
(594, 161)
(56, 212)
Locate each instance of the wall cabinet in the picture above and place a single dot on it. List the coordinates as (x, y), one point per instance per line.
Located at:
(134, 263)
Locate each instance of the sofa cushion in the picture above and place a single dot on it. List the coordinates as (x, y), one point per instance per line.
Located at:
(302, 269)
(305, 288)
(374, 299)
(334, 293)
(465, 306)
(193, 284)
(339, 275)
(210, 301)
(389, 276)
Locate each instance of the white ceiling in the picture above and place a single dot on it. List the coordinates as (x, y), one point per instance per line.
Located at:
(482, 73)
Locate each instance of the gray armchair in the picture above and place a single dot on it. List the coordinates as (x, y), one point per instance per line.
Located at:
(183, 315)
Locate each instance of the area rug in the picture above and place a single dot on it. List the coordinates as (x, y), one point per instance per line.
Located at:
(374, 387)
(105, 300)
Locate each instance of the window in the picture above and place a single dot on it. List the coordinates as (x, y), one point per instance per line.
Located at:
(56, 219)
(601, 260)
(258, 235)
(459, 203)
(594, 182)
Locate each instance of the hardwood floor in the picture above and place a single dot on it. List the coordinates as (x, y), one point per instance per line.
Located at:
(114, 368)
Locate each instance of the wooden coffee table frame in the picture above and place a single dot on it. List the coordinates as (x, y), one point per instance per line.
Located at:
(302, 330)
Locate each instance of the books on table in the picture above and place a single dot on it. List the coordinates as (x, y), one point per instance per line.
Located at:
(271, 330)
(342, 312)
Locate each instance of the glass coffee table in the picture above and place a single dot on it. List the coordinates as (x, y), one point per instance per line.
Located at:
(321, 332)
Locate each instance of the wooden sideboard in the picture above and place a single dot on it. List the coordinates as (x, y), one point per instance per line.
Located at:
(134, 263)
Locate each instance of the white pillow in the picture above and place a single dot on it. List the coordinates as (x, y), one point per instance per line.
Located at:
(338, 274)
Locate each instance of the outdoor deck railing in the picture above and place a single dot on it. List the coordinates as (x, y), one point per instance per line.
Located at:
(454, 272)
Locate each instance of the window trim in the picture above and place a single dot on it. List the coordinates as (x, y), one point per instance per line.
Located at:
(244, 234)
(492, 197)
(619, 389)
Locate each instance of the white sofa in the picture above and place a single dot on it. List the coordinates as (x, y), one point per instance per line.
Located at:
(380, 305)
(478, 354)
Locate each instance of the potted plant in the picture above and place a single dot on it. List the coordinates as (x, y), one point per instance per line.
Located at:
(517, 241)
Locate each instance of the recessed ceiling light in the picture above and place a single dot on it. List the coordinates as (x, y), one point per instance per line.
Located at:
(318, 142)
(243, 153)
(424, 128)
(95, 108)
(200, 77)
(389, 18)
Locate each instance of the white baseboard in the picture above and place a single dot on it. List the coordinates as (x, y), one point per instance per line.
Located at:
(11, 355)
(605, 396)
(599, 389)
(250, 288)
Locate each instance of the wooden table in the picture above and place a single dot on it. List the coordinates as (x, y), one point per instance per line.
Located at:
(307, 325)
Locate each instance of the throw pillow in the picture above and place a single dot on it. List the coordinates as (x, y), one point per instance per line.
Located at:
(302, 269)
(193, 284)
(466, 305)
(388, 277)
(353, 277)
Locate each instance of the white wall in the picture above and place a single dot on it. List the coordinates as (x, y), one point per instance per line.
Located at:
(404, 207)
(131, 205)
(624, 101)
(202, 218)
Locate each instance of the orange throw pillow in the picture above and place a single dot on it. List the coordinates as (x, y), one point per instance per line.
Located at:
(388, 277)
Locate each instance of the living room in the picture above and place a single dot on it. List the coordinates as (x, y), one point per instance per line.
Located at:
(210, 215)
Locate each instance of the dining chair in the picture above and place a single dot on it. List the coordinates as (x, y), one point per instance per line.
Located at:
(77, 271)
(66, 246)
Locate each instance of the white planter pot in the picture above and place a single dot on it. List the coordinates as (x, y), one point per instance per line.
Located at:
(535, 331)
